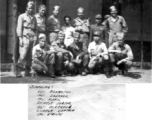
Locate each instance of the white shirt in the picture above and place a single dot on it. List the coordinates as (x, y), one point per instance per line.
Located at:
(96, 49)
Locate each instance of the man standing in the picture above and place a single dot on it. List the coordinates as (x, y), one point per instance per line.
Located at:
(81, 25)
(121, 54)
(98, 54)
(115, 23)
(53, 25)
(98, 27)
(68, 30)
(40, 19)
(26, 28)
(81, 57)
(43, 58)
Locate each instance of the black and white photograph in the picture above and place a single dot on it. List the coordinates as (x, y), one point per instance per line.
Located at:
(75, 41)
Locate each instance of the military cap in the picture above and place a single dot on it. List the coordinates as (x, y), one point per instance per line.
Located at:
(119, 35)
(98, 16)
(76, 34)
(97, 33)
(42, 35)
(56, 7)
(80, 9)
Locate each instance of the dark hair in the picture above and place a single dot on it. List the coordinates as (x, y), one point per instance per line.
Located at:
(67, 17)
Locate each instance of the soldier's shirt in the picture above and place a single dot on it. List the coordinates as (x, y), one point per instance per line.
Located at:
(96, 27)
(26, 25)
(39, 52)
(53, 24)
(116, 25)
(96, 49)
(81, 24)
(40, 23)
(125, 49)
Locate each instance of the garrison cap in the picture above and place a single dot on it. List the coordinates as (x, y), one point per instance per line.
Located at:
(97, 33)
(98, 16)
(76, 34)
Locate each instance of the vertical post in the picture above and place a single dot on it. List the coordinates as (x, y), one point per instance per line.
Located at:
(15, 49)
(141, 32)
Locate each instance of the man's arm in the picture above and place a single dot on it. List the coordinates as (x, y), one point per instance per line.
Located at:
(113, 50)
(124, 26)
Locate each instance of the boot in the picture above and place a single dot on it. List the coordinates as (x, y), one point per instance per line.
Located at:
(50, 72)
(107, 69)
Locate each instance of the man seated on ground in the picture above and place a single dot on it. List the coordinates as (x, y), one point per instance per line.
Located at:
(98, 54)
(81, 57)
(64, 56)
(43, 58)
(121, 54)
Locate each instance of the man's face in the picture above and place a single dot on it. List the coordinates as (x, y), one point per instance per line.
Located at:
(55, 12)
(76, 39)
(42, 11)
(67, 21)
(98, 20)
(96, 38)
(80, 14)
(114, 14)
(61, 38)
(120, 40)
(42, 41)
(30, 9)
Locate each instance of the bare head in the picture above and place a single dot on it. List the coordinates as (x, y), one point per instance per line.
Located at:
(30, 7)
(56, 10)
(80, 12)
(42, 39)
(42, 10)
(120, 38)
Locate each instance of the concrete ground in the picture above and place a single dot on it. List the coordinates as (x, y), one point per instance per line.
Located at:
(135, 76)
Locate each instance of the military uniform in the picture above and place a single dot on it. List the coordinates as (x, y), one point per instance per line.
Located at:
(53, 27)
(43, 60)
(81, 57)
(41, 27)
(26, 28)
(82, 26)
(98, 55)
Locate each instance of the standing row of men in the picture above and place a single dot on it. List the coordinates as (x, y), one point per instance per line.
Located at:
(70, 49)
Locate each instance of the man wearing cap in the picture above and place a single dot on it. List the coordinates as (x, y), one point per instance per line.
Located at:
(40, 19)
(98, 27)
(121, 54)
(26, 29)
(43, 58)
(81, 57)
(53, 25)
(98, 54)
(64, 56)
(115, 23)
(82, 25)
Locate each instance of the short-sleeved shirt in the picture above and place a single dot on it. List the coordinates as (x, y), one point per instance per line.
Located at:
(68, 30)
(26, 25)
(125, 49)
(96, 27)
(53, 24)
(40, 23)
(39, 52)
(97, 48)
(116, 25)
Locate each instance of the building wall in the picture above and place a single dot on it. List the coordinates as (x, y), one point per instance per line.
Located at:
(2, 29)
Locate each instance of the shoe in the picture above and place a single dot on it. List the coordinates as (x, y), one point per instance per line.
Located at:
(83, 73)
(108, 74)
(51, 75)
(60, 74)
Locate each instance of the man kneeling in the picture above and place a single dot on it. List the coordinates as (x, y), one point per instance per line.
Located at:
(43, 58)
(121, 54)
(98, 54)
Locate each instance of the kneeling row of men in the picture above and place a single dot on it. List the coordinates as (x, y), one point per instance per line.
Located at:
(57, 59)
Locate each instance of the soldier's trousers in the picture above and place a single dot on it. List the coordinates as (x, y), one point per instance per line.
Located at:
(25, 52)
(84, 38)
(52, 37)
(114, 58)
(49, 62)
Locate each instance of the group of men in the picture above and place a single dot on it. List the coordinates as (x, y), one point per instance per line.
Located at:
(77, 47)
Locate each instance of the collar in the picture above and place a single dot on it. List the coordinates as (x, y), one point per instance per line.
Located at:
(114, 20)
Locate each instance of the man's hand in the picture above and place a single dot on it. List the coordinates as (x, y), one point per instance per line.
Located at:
(121, 61)
(45, 68)
(71, 55)
(21, 41)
